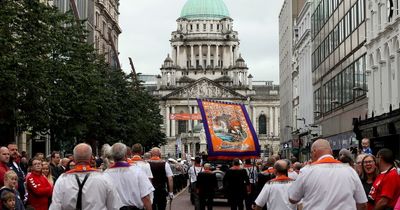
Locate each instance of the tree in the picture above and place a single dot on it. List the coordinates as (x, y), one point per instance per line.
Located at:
(53, 82)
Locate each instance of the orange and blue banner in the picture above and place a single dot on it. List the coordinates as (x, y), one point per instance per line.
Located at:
(228, 129)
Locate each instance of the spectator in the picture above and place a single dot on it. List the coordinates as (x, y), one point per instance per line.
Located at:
(132, 184)
(358, 165)
(345, 156)
(327, 184)
(14, 165)
(70, 165)
(46, 171)
(386, 188)
(8, 200)
(39, 189)
(54, 163)
(275, 192)
(365, 146)
(10, 184)
(206, 187)
(369, 173)
(39, 156)
(4, 159)
(237, 185)
(162, 177)
(63, 166)
(75, 189)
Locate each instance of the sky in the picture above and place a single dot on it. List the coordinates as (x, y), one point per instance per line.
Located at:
(147, 25)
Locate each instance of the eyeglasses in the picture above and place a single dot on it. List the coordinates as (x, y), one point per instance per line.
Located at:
(369, 162)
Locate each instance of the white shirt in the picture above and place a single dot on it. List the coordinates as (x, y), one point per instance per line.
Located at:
(145, 166)
(333, 186)
(131, 183)
(275, 195)
(168, 170)
(293, 175)
(192, 174)
(97, 193)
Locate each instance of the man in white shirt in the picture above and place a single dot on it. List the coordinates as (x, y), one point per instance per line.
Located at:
(132, 185)
(328, 183)
(136, 159)
(275, 192)
(193, 171)
(84, 187)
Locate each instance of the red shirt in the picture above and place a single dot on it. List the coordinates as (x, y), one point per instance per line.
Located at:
(386, 185)
(39, 191)
(3, 169)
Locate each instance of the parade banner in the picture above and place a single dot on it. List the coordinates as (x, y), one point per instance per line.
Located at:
(228, 129)
(185, 116)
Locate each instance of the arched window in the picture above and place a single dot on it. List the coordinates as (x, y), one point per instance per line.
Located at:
(262, 124)
(182, 126)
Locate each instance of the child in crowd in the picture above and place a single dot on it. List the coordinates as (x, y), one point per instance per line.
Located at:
(10, 184)
(8, 200)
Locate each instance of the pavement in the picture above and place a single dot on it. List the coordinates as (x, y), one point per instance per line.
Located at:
(182, 202)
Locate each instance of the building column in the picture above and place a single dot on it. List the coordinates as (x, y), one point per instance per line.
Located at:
(208, 55)
(195, 111)
(190, 119)
(231, 54)
(255, 120)
(271, 121)
(216, 57)
(276, 121)
(177, 55)
(173, 54)
(173, 123)
(200, 56)
(167, 129)
(192, 56)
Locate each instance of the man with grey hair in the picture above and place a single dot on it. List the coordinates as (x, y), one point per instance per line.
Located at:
(328, 183)
(84, 188)
(133, 186)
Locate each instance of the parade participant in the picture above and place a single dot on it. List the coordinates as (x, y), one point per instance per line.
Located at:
(291, 172)
(252, 172)
(132, 184)
(206, 186)
(327, 183)
(4, 159)
(14, 165)
(8, 200)
(267, 174)
(137, 151)
(369, 172)
(193, 171)
(10, 184)
(162, 175)
(84, 187)
(365, 146)
(39, 189)
(274, 195)
(297, 167)
(386, 187)
(237, 185)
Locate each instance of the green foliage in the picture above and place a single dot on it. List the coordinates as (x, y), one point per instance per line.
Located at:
(53, 82)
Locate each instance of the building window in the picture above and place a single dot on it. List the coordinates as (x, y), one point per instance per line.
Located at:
(182, 126)
(197, 26)
(211, 26)
(204, 27)
(104, 28)
(262, 124)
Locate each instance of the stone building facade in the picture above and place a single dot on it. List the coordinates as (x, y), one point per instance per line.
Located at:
(205, 62)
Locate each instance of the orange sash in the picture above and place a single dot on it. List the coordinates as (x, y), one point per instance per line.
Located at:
(282, 179)
(326, 160)
(81, 168)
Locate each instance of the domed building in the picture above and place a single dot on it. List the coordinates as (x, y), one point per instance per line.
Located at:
(205, 62)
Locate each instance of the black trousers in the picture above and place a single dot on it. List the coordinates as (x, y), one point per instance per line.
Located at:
(160, 199)
(236, 202)
(206, 200)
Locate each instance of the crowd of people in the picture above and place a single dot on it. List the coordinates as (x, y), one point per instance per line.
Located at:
(126, 178)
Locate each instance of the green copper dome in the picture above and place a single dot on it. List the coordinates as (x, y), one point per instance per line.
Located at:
(204, 9)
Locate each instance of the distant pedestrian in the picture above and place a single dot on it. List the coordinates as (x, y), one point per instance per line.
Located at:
(386, 188)
(237, 185)
(274, 195)
(132, 184)
(193, 171)
(327, 183)
(206, 186)
(84, 188)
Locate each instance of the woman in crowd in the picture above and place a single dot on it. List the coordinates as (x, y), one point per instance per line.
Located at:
(10, 184)
(46, 171)
(369, 173)
(39, 188)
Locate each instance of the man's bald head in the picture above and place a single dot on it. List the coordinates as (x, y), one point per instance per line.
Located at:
(155, 152)
(319, 148)
(281, 167)
(82, 153)
(4, 155)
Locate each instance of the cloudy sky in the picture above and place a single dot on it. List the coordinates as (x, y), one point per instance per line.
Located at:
(147, 26)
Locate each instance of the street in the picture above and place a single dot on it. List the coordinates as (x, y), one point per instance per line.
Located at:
(182, 202)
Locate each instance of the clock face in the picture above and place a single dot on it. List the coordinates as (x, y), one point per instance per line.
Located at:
(390, 7)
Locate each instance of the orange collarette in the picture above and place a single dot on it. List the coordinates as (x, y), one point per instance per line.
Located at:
(81, 168)
(134, 159)
(327, 160)
(155, 158)
(282, 178)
